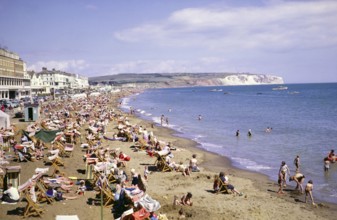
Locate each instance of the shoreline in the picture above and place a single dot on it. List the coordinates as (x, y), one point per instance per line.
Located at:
(213, 162)
(259, 200)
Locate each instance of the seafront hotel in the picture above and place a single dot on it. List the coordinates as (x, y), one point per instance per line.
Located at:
(14, 83)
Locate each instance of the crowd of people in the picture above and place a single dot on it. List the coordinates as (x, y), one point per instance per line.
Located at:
(85, 123)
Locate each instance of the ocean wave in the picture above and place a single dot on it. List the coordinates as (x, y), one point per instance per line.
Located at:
(198, 137)
(249, 164)
(209, 146)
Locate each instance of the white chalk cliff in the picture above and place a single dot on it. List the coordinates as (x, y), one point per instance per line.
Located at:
(159, 80)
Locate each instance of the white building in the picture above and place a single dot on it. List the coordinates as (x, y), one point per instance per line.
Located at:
(47, 81)
(14, 82)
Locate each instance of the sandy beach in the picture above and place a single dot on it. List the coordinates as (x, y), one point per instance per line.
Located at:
(259, 200)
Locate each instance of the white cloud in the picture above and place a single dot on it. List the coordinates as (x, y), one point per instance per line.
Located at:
(70, 66)
(204, 64)
(275, 26)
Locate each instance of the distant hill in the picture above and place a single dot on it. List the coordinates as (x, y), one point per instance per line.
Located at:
(164, 80)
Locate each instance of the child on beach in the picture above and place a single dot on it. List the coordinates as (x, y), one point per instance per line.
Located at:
(81, 188)
(184, 200)
(146, 172)
(308, 192)
(216, 183)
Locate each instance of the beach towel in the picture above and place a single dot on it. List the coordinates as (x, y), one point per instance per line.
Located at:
(149, 204)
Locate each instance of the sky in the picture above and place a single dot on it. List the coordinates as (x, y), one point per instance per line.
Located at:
(296, 40)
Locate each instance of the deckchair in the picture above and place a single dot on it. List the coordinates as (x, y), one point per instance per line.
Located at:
(57, 168)
(69, 148)
(66, 150)
(222, 187)
(43, 193)
(112, 178)
(56, 160)
(108, 197)
(161, 163)
(32, 208)
(141, 144)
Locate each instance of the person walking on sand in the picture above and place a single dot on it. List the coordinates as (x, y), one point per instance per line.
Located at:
(308, 192)
(297, 163)
(237, 134)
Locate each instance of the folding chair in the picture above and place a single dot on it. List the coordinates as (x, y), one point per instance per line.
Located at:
(108, 197)
(56, 160)
(32, 209)
(43, 194)
(161, 163)
(66, 150)
(141, 144)
(222, 187)
(112, 178)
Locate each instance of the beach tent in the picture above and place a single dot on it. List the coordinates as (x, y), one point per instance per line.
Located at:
(79, 96)
(46, 136)
(4, 120)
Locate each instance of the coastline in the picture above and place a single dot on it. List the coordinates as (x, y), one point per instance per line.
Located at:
(259, 200)
(214, 163)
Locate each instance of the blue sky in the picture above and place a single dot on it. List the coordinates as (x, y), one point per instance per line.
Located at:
(293, 39)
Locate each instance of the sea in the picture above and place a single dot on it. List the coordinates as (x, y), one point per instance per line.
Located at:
(302, 120)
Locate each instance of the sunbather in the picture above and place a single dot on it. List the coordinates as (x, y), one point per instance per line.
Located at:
(194, 164)
(225, 180)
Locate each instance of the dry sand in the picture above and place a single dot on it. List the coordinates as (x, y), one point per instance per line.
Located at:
(260, 200)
